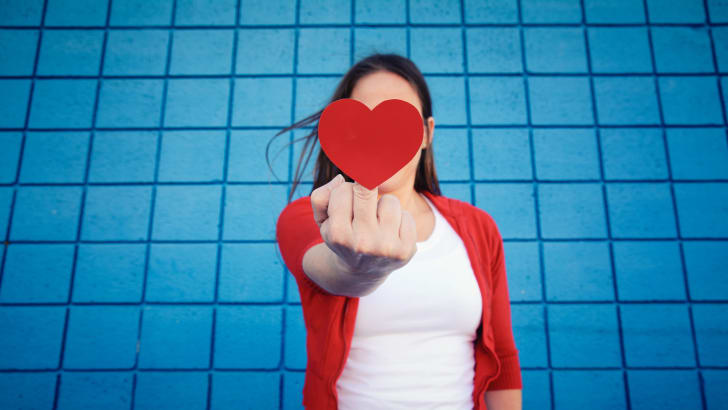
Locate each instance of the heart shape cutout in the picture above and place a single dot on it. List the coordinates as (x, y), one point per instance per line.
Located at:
(370, 145)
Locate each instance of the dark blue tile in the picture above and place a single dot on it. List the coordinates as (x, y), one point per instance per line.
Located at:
(292, 389)
(682, 50)
(262, 101)
(204, 12)
(181, 273)
(497, 100)
(619, 50)
(659, 389)
(70, 52)
(451, 160)
(669, 11)
(26, 390)
(657, 335)
(262, 281)
(705, 263)
(76, 13)
(718, 11)
(101, 390)
(584, 335)
(565, 154)
(578, 271)
(529, 333)
(720, 41)
(648, 271)
(641, 210)
(614, 11)
(523, 270)
(6, 197)
(175, 337)
(123, 156)
(437, 50)
(14, 102)
(323, 50)
(434, 11)
(589, 389)
(21, 12)
(195, 156)
(171, 390)
(256, 223)
(54, 157)
(560, 101)
(494, 50)
(370, 40)
(254, 51)
(37, 273)
(714, 382)
(17, 51)
(536, 388)
(229, 389)
(324, 12)
(511, 205)
(494, 11)
(555, 50)
(32, 337)
(690, 100)
(698, 153)
(633, 153)
(196, 102)
(551, 11)
(116, 213)
(245, 167)
(109, 273)
(626, 101)
(130, 103)
(248, 337)
(187, 212)
(62, 103)
(101, 337)
(710, 331)
(136, 52)
(501, 153)
(572, 211)
(701, 209)
(201, 52)
(380, 11)
(451, 105)
(295, 344)
(46, 213)
(269, 12)
(141, 12)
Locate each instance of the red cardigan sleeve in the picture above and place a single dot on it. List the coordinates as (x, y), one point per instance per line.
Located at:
(505, 347)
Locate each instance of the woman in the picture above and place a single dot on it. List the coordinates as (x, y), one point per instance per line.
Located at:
(403, 290)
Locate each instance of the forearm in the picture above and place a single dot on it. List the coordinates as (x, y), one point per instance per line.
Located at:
(507, 399)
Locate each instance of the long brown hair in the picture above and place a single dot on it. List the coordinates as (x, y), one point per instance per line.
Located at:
(325, 170)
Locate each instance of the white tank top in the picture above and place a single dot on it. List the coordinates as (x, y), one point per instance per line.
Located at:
(414, 335)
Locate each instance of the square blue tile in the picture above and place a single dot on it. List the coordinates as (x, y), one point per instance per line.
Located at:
(187, 212)
(130, 103)
(701, 209)
(292, 389)
(633, 153)
(101, 390)
(201, 52)
(260, 281)
(529, 333)
(253, 223)
(31, 390)
(263, 101)
(501, 153)
(324, 12)
(109, 273)
(76, 13)
(245, 167)
(181, 273)
(204, 12)
(248, 337)
(560, 101)
(312, 95)
(718, 11)
(648, 271)
(101, 337)
(536, 388)
(589, 389)
(705, 263)
(6, 197)
(713, 384)
(123, 156)
(511, 205)
(54, 157)
(116, 213)
(37, 273)
(295, 356)
(578, 271)
(46, 213)
(17, 51)
(657, 335)
(437, 50)
(274, 12)
(698, 153)
(21, 12)
(494, 11)
(176, 337)
(669, 11)
(70, 52)
(570, 211)
(370, 40)
(555, 50)
(136, 52)
(494, 50)
(32, 337)
(265, 51)
(323, 50)
(619, 50)
(524, 272)
(434, 11)
(690, 100)
(459, 191)
(566, 153)
(232, 388)
(584, 335)
(626, 101)
(451, 158)
(551, 11)
(449, 104)
(171, 390)
(14, 102)
(497, 100)
(614, 11)
(682, 50)
(710, 331)
(380, 11)
(720, 40)
(307, 168)
(61, 103)
(141, 13)
(641, 210)
(655, 389)
(199, 102)
(196, 156)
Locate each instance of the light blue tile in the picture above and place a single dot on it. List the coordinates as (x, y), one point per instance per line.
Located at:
(698, 153)
(494, 50)
(380, 11)
(76, 13)
(619, 50)
(263, 101)
(571, 211)
(560, 101)
(641, 210)
(434, 11)
(451, 154)
(596, 344)
(136, 52)
(578, 271)
(46, 213)
(14, 102)
(201, 52)
(626, 101)
(701, 209)
(187, 212)
(37, 273)
(512, 207)
(614, 11)
(682, 50)
(101, 337)
(248, 337)
(192, 156)
(633, 153)
(555, 50)
(21, 12)
(141, 13)
(32, 338)
(497, 101)
(551, 11)
(109, 273)
(17, 51)
(437, 50)
(123, 156)
(181, 390)
(70, 52)
(54, 157)
(116, 213)
(324, 12)
(197, 102)
(323, 50)
(669, 11)
(62, 103)
(175, 337)
(705, 263)
(565, 154)
(130, 103)
(204, 12)
(501, 153)
(260, 281)
(379, 40)
(494, 11)
(180, 273)
(648, 270)
(657, 335)
(255, 56)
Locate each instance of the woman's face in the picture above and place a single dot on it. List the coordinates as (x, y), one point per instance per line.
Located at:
(383, 85)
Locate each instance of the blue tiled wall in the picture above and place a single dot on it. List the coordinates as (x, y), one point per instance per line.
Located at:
(139, 266)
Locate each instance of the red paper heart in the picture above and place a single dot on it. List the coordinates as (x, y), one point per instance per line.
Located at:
(370, 145)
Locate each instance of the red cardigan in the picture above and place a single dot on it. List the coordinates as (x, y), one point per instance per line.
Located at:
(330, 318)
